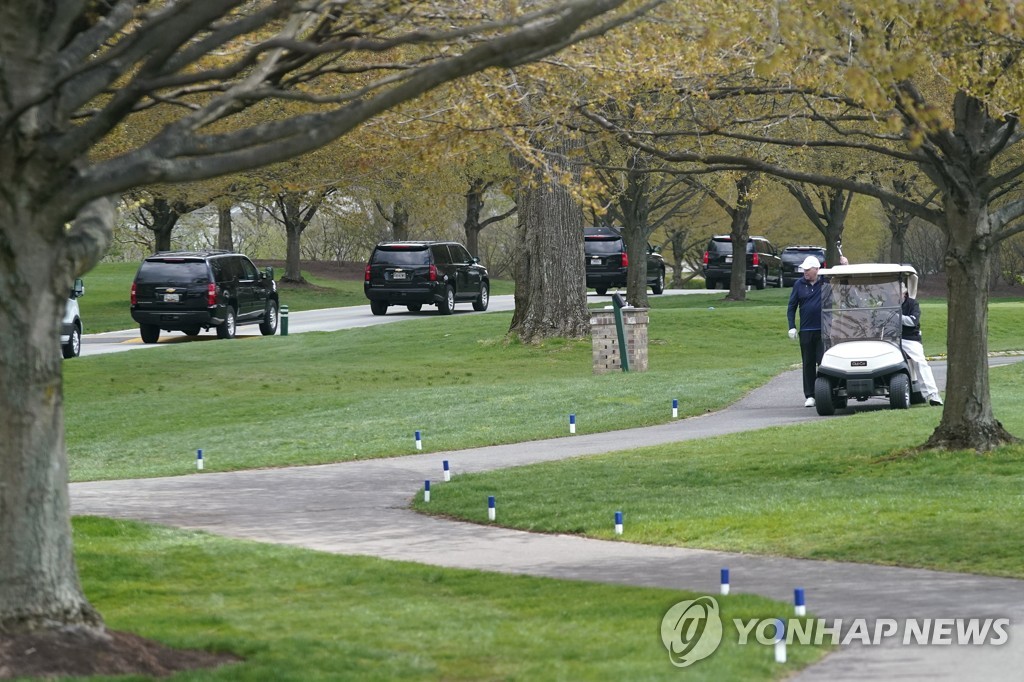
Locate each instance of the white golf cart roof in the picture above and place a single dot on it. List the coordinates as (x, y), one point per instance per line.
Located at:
(874, 269)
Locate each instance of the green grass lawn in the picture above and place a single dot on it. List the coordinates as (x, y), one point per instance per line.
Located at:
(849, 489)
(840, 489)
(327, 397)
(300, 615)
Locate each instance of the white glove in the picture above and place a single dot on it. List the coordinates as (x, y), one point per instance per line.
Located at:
(792, 333)
(908, 321)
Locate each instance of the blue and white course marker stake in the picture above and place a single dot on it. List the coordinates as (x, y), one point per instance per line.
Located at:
(572, 423)
(799, 605)
(490, 508)
(426, 491)
(780, 640)
(675, 408)
(725, 581)
(199, 459)
(447, 473)
(419, 441)
(618, 523)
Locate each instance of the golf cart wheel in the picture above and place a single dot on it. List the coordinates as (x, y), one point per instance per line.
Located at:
(823, 397)
(899, 392)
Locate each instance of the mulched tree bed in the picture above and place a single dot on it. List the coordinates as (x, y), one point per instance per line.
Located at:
(76, 653)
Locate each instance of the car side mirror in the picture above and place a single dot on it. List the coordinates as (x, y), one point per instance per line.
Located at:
(268, 272)
(78, 289)
(474, 260)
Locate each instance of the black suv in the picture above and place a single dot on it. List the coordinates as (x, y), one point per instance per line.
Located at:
(793, 256)
(189, 290)
(418, 273)
(607, 262)
(764, 267)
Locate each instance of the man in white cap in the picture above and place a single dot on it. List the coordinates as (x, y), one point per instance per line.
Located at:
(912, 346)
(806, 296)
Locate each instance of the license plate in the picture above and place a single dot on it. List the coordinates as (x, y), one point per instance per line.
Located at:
(172, 298)
(397, 275)
(595, 261)
(728, 259)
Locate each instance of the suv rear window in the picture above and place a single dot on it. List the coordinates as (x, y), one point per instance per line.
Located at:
(725, 246)
(602, 245)
(172, 272)
(389, 255)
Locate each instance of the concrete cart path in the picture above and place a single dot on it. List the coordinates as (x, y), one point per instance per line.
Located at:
(362, 508)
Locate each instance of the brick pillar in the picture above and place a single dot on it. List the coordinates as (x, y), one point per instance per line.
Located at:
(605, 339)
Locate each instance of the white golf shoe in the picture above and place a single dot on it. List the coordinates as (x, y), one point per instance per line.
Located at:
(809, 402)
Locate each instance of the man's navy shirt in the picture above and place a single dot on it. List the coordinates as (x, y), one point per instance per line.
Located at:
(808, 297)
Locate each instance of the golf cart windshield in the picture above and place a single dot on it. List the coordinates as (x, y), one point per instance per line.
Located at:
(861, 308)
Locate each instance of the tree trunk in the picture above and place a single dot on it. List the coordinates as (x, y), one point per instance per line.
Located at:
(636, 274)
(293, 254)
(165, 217)
(898, 240)
(224, 238)
(296, 219)
(400, 221)
(739, 230)
(967, 419)
(551, 294)
(39, 585)
(474, 208)
(635, 207)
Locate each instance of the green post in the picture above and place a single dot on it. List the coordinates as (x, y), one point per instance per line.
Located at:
(284, 320)
(618, 302)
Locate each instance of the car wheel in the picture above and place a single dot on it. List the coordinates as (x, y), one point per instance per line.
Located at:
(899, 392)
(601, 291)
(447, 304)
(823, 397)
(762, 279)
(268, 327)
(378, 307)
(659, 286)
(150, 333)
(73, 348)
(191, 331)
(226, 329)
(484, 298)
(415, 307)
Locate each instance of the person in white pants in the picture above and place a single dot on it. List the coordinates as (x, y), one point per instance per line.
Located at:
(912, 346)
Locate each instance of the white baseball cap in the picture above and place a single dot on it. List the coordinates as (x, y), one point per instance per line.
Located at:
(810, 262)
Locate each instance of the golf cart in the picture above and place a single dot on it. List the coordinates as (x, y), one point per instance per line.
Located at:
(861, 328)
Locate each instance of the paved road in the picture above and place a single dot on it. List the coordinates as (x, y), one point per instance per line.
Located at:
(361, 508)
(325, 320)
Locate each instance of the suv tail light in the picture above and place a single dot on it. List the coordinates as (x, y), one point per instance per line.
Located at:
(366, 274)
(211, 294)
(757, 261)
(705, 258)
(135, 298)
(625, 260)
(433, 273)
